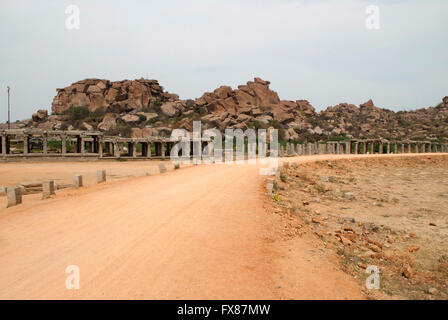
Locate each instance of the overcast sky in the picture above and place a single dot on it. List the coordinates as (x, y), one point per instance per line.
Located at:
(316, 50)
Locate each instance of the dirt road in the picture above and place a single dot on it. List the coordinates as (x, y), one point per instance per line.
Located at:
(201, 232)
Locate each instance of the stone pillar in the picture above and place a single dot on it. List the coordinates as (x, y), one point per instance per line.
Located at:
(83, 145)
(388, 147)
(372, 148)
(26, 144)
(47, 189)
(356, 147)
(116, 149)
(134, 149)
(4, 144)
(380, 147)
(100, 146)
(162, 168)
(63, 144)
(45, 143)
(101, 176)
(77, 181)
(14, 196)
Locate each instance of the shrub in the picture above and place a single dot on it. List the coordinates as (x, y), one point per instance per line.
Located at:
(283, 176)
(77, 113)
(157, 105)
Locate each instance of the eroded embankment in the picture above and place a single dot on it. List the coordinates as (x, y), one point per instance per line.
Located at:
(387, 212)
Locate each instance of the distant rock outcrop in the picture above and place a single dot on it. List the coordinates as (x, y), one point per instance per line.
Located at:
(118, 96)
(142, 107)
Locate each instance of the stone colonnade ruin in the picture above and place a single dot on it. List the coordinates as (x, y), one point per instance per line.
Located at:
(33, 143)
(30, 143)
(357, 146)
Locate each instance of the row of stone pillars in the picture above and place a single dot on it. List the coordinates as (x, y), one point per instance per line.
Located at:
(361, 147)
(162, 149)
(114, 148)
(77, 142)
(82, 143)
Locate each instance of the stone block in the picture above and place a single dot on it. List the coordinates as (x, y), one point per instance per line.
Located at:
(47, 189)
(270, 185)
(101, 176)
(14, 196)
(77, 181)
(162, 168)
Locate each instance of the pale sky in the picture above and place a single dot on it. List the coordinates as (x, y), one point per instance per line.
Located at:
(316, 50)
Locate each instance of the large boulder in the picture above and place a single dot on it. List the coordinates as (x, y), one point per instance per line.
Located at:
(130, 118)
(109, 122)
(139, 95)
(40, 115)
(100, 93)
(78, 100)
(97, 101)
(169, 109)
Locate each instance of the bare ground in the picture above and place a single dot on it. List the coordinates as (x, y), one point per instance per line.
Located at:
(13, 173)
(204, 232)
(385, 212)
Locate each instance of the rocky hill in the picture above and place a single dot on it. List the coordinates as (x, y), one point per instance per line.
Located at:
(142, 108)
